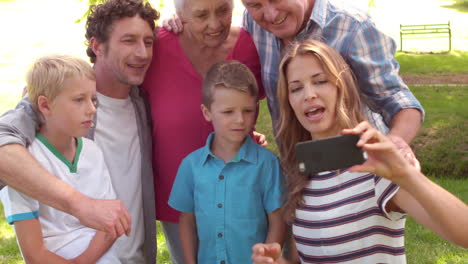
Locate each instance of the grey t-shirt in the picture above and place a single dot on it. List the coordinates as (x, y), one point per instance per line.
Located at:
(18, 126)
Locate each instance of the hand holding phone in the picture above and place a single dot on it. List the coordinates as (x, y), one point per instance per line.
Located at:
(328, 154)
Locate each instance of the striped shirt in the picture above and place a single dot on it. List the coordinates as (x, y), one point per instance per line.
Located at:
(368, 51)
(343, 220)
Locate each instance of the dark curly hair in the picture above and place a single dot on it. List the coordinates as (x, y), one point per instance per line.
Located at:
(101, 18)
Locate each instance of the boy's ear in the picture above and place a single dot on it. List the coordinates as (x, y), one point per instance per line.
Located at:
(206, 113)
(43, 105)
(96, 46)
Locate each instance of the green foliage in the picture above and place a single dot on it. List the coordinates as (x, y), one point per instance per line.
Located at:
(428, 64)
(163, 256)
(460, 6)
(158, 4)
(264, 126)
(442, 146)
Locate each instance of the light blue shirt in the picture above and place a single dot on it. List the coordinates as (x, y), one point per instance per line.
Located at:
(230, 200)
(368, 51)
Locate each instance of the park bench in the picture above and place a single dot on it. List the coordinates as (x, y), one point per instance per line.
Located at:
(426, 31)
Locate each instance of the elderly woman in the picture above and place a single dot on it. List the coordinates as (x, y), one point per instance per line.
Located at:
(173, 84)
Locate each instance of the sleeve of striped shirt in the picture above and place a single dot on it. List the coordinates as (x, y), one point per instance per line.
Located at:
(384, 191)
(370, 54)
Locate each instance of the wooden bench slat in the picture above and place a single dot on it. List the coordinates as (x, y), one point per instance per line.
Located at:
(430, 30)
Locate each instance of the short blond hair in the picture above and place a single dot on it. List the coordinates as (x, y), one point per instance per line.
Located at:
(228, 74)
(48, 74)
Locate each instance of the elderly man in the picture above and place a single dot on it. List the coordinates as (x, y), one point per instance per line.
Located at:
(370, 53)
(120, 38)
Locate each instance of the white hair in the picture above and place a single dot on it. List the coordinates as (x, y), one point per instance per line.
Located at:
(179, 5)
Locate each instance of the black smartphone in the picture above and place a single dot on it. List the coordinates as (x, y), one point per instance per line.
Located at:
(328, 154)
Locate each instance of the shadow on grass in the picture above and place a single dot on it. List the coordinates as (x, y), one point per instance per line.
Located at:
(442, 144)
(452, 62)
(425, 52)
(442, 149)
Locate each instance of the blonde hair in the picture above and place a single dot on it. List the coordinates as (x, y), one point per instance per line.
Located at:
(290, 131)
(229, 74)
(48, 74)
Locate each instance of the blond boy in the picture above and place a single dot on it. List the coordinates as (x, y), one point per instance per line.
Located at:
(63, 90)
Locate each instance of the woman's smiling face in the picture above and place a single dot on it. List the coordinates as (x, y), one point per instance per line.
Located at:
(207, 21)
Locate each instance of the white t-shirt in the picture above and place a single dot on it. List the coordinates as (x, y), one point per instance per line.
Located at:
(117, 136)
(63, 233)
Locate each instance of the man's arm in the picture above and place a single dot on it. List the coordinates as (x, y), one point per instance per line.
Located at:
(406, 124)
(370, 53)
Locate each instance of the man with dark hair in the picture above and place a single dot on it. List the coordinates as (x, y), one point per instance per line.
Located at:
(120, 38)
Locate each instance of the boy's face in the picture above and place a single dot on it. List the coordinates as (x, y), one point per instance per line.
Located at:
(71, 112)
(232, 114)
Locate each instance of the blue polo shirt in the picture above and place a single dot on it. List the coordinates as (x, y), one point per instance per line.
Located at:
(230, 200)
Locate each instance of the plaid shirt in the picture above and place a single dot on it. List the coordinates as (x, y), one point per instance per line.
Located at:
(368, 51)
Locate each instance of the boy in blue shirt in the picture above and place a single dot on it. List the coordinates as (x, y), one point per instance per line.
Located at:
(229, 191)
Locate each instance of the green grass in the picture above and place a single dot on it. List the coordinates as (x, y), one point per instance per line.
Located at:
(426, 64)
(425, 247)
(442, 146)
(163, 256)
(9, 252)
(264, 126)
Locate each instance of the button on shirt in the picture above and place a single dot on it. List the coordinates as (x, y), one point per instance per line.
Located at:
(230, 200)
(368, 51)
